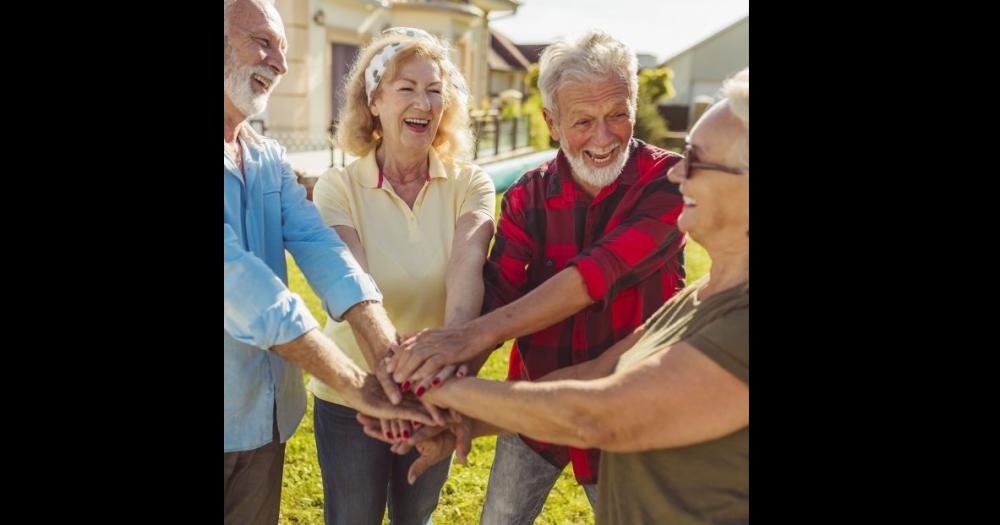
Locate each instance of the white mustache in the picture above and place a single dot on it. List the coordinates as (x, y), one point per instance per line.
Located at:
(601, 153)
(265, 73)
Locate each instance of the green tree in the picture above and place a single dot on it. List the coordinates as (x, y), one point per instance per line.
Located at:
(532, 107)
(654, 88)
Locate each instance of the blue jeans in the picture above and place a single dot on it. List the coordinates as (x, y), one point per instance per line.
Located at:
(520, 482)
(360, 474)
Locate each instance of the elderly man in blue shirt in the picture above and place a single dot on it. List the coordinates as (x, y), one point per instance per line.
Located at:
(270, 336)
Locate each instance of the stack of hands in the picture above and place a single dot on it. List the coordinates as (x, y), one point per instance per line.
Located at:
(416, 364)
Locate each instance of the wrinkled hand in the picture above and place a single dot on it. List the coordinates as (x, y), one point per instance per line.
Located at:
(370, 398)
(391, 389)
(426, 354)
(436, 413)
(433, 443)
(396, 430)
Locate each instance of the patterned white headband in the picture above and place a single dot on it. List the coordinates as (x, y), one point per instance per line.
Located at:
(376, 68)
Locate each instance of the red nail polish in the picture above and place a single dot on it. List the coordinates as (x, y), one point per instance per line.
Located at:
(388, 435)
(420, 391)
(436, 381)
(416, 424)
(405, 387)
(406, 434)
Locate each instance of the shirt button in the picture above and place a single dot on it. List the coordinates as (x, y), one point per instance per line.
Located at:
(549, 263)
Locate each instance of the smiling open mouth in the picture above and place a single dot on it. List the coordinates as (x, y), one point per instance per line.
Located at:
(417, 124)
(263, 81)
(600, 159)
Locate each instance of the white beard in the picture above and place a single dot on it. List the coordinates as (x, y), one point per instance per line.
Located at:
(599, 177)
(237, 85)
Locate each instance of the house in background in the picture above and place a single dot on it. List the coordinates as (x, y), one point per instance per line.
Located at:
(700, 69)
(532, 52)
(324, 37)
(646, 61)
(508, 66)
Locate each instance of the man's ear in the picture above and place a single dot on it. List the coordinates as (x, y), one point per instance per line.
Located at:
(551, 123)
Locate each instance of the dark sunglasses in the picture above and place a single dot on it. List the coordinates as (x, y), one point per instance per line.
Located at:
(690, 164)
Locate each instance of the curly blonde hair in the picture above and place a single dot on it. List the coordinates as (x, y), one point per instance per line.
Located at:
(359, 132)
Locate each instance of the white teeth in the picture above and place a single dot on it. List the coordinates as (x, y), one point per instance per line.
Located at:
(689, 201)
(262, 80)
(601, 156)
(419, 121)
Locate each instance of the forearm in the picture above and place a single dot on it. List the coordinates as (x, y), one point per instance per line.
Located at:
(372, 329)
(318, 355)
(551, 411)
(464, 286)
(556, 299)
(480, 428)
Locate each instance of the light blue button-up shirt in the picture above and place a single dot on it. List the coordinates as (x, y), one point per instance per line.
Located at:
(266, 214)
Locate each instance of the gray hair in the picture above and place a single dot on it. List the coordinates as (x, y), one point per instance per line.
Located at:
(594, 57)
(736, 92)
(227, 7)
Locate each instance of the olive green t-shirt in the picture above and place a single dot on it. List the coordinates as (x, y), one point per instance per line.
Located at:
(697, 484)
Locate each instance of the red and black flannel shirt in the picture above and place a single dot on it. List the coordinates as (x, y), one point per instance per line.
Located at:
(624, 242)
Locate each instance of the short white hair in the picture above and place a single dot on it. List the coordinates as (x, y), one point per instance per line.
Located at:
(736, 92)
(227, 7)
(594, 57)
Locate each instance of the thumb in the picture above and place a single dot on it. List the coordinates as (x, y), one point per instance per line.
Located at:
(417, 468)
(390, 388)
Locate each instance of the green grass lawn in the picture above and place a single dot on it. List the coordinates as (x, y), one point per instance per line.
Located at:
(462, 495)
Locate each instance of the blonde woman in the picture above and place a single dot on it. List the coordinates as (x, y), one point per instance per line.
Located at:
(418, 218)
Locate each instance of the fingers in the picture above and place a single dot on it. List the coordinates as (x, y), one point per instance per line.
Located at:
(417, 468)
(400, 351)
(424, 434)
(427, 368)
(397, 430)
(437, 416)
(391, 389)
(435, 379)
(386, 428)
(463, 443)
(413, 410)
(405, 363)
(373, 427)
(401, 447)
(396, 349)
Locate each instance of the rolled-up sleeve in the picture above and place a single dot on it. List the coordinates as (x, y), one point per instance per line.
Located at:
(636, 248)
(259, 309)
(505, 274)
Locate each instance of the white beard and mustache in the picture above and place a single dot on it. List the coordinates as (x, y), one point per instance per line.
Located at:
(599, 177)
(237, 85)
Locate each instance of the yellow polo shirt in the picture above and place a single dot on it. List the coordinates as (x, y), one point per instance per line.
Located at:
(407, 250)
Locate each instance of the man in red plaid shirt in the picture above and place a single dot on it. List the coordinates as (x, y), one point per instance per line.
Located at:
(586, 249)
